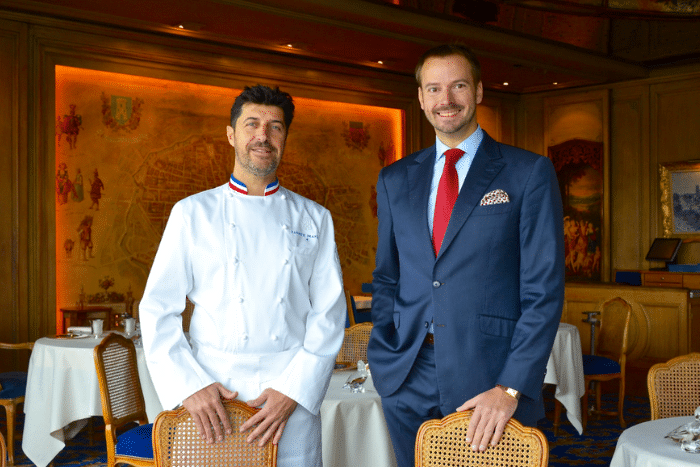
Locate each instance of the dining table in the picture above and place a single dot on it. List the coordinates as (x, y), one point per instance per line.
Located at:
(63, 394)
(354, 432)
(645, 445)
(565, 371)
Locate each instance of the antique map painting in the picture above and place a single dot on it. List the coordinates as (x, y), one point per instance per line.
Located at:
(129, 147)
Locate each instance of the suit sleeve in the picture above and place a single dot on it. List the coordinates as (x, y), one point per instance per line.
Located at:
(541, 281)
(386, 272)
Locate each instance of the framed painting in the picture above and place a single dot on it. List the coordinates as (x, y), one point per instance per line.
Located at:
(577, 142)
(680, 198)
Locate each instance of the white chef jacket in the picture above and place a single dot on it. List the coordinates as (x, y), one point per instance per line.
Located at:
(264, 276)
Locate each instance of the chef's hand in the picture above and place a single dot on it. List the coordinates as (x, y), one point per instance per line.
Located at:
(492, 410)
(271, 419)
(207, 411)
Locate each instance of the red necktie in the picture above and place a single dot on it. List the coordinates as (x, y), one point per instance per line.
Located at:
(448, 189)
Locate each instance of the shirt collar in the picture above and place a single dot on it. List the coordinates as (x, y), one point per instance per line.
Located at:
(240, 187)
(469, 145)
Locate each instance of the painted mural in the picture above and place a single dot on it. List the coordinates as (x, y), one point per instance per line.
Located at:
(128, 148)
(579, 167)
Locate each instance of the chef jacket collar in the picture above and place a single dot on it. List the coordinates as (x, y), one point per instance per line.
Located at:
(239, 187)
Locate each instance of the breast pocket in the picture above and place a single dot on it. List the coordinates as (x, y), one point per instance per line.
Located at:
(492, 209)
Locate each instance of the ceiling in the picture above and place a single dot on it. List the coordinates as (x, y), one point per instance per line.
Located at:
(531, 45)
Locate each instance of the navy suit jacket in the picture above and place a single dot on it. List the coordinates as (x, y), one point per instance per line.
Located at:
(495, 291)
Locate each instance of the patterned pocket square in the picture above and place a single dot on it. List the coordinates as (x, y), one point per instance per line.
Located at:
(494, 197)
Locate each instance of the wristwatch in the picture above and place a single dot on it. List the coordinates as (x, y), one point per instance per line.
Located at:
(514, 393)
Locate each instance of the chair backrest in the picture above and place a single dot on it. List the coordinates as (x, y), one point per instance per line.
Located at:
(613, 338)
(354, 346)
(18, 346)
(120, 386)
(352, 310)
(176, 441)
(442, 442)
(674, 387)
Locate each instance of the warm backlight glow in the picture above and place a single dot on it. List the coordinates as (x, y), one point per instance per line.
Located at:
(128, 147)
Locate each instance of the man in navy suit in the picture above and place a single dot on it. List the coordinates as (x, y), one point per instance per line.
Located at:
(467, 322)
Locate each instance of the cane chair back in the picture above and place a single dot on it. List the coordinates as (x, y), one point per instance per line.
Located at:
(13, 387)
(176, 441)
(674, 387)
(354, 346)
(441, 443)
(122, 401)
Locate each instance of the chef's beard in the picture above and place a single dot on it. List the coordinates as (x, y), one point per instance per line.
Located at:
(257, 170)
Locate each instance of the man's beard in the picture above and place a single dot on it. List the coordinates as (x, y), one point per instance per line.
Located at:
(247, 161)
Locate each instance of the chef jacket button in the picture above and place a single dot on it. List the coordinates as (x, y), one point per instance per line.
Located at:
(245, 337)
(280, 299)
(436, 284)
(240, 299)
(284, 227)
(283, 196)
(286, 260)
(273, 337)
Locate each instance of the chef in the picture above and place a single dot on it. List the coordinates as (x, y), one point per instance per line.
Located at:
(260, 264)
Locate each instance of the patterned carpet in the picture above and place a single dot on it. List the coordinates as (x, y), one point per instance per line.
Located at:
(597, 444)
(594, 447)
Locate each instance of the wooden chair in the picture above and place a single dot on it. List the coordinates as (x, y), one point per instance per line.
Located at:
(13, 386)
(122, 402)
(176, 441)
(611, 345)
(354, 346)
(442, 442)
(3, 453)
(674, 387)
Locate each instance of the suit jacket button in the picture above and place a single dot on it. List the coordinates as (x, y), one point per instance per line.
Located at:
(427, 324)
(436, 284)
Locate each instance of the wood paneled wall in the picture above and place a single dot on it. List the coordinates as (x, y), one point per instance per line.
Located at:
(651, 121)
(30, 49)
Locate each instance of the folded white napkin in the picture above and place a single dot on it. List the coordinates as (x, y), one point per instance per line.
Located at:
(80, 329)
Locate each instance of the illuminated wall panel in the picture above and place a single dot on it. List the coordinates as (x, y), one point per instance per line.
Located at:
(129, 147)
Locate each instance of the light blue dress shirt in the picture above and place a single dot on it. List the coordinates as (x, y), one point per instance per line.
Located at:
(469, 146)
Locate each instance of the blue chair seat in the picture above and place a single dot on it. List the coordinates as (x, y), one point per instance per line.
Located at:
(14, 384)
(137, 442)
(597, 365)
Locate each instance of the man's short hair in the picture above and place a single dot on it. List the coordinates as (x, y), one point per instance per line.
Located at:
(263, 95)
(446, 50)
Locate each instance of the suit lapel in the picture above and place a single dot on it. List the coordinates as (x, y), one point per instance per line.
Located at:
(419, 176)
(486, 165)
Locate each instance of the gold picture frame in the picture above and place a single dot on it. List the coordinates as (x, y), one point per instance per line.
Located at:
(680, 195)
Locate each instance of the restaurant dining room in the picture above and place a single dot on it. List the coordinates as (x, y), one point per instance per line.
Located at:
(115, 111)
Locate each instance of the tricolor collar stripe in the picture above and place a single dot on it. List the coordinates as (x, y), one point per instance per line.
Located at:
(239, 187)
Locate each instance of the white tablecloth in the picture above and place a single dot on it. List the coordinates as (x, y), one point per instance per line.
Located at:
(353, 428)
(644, 445)
(63, 392)
(565, 370)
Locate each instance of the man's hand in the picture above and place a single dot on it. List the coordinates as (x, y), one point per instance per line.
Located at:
(207, 411)
(492, 410)
(271, 419)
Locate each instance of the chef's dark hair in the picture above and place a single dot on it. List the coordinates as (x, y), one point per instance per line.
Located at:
(263, 95)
